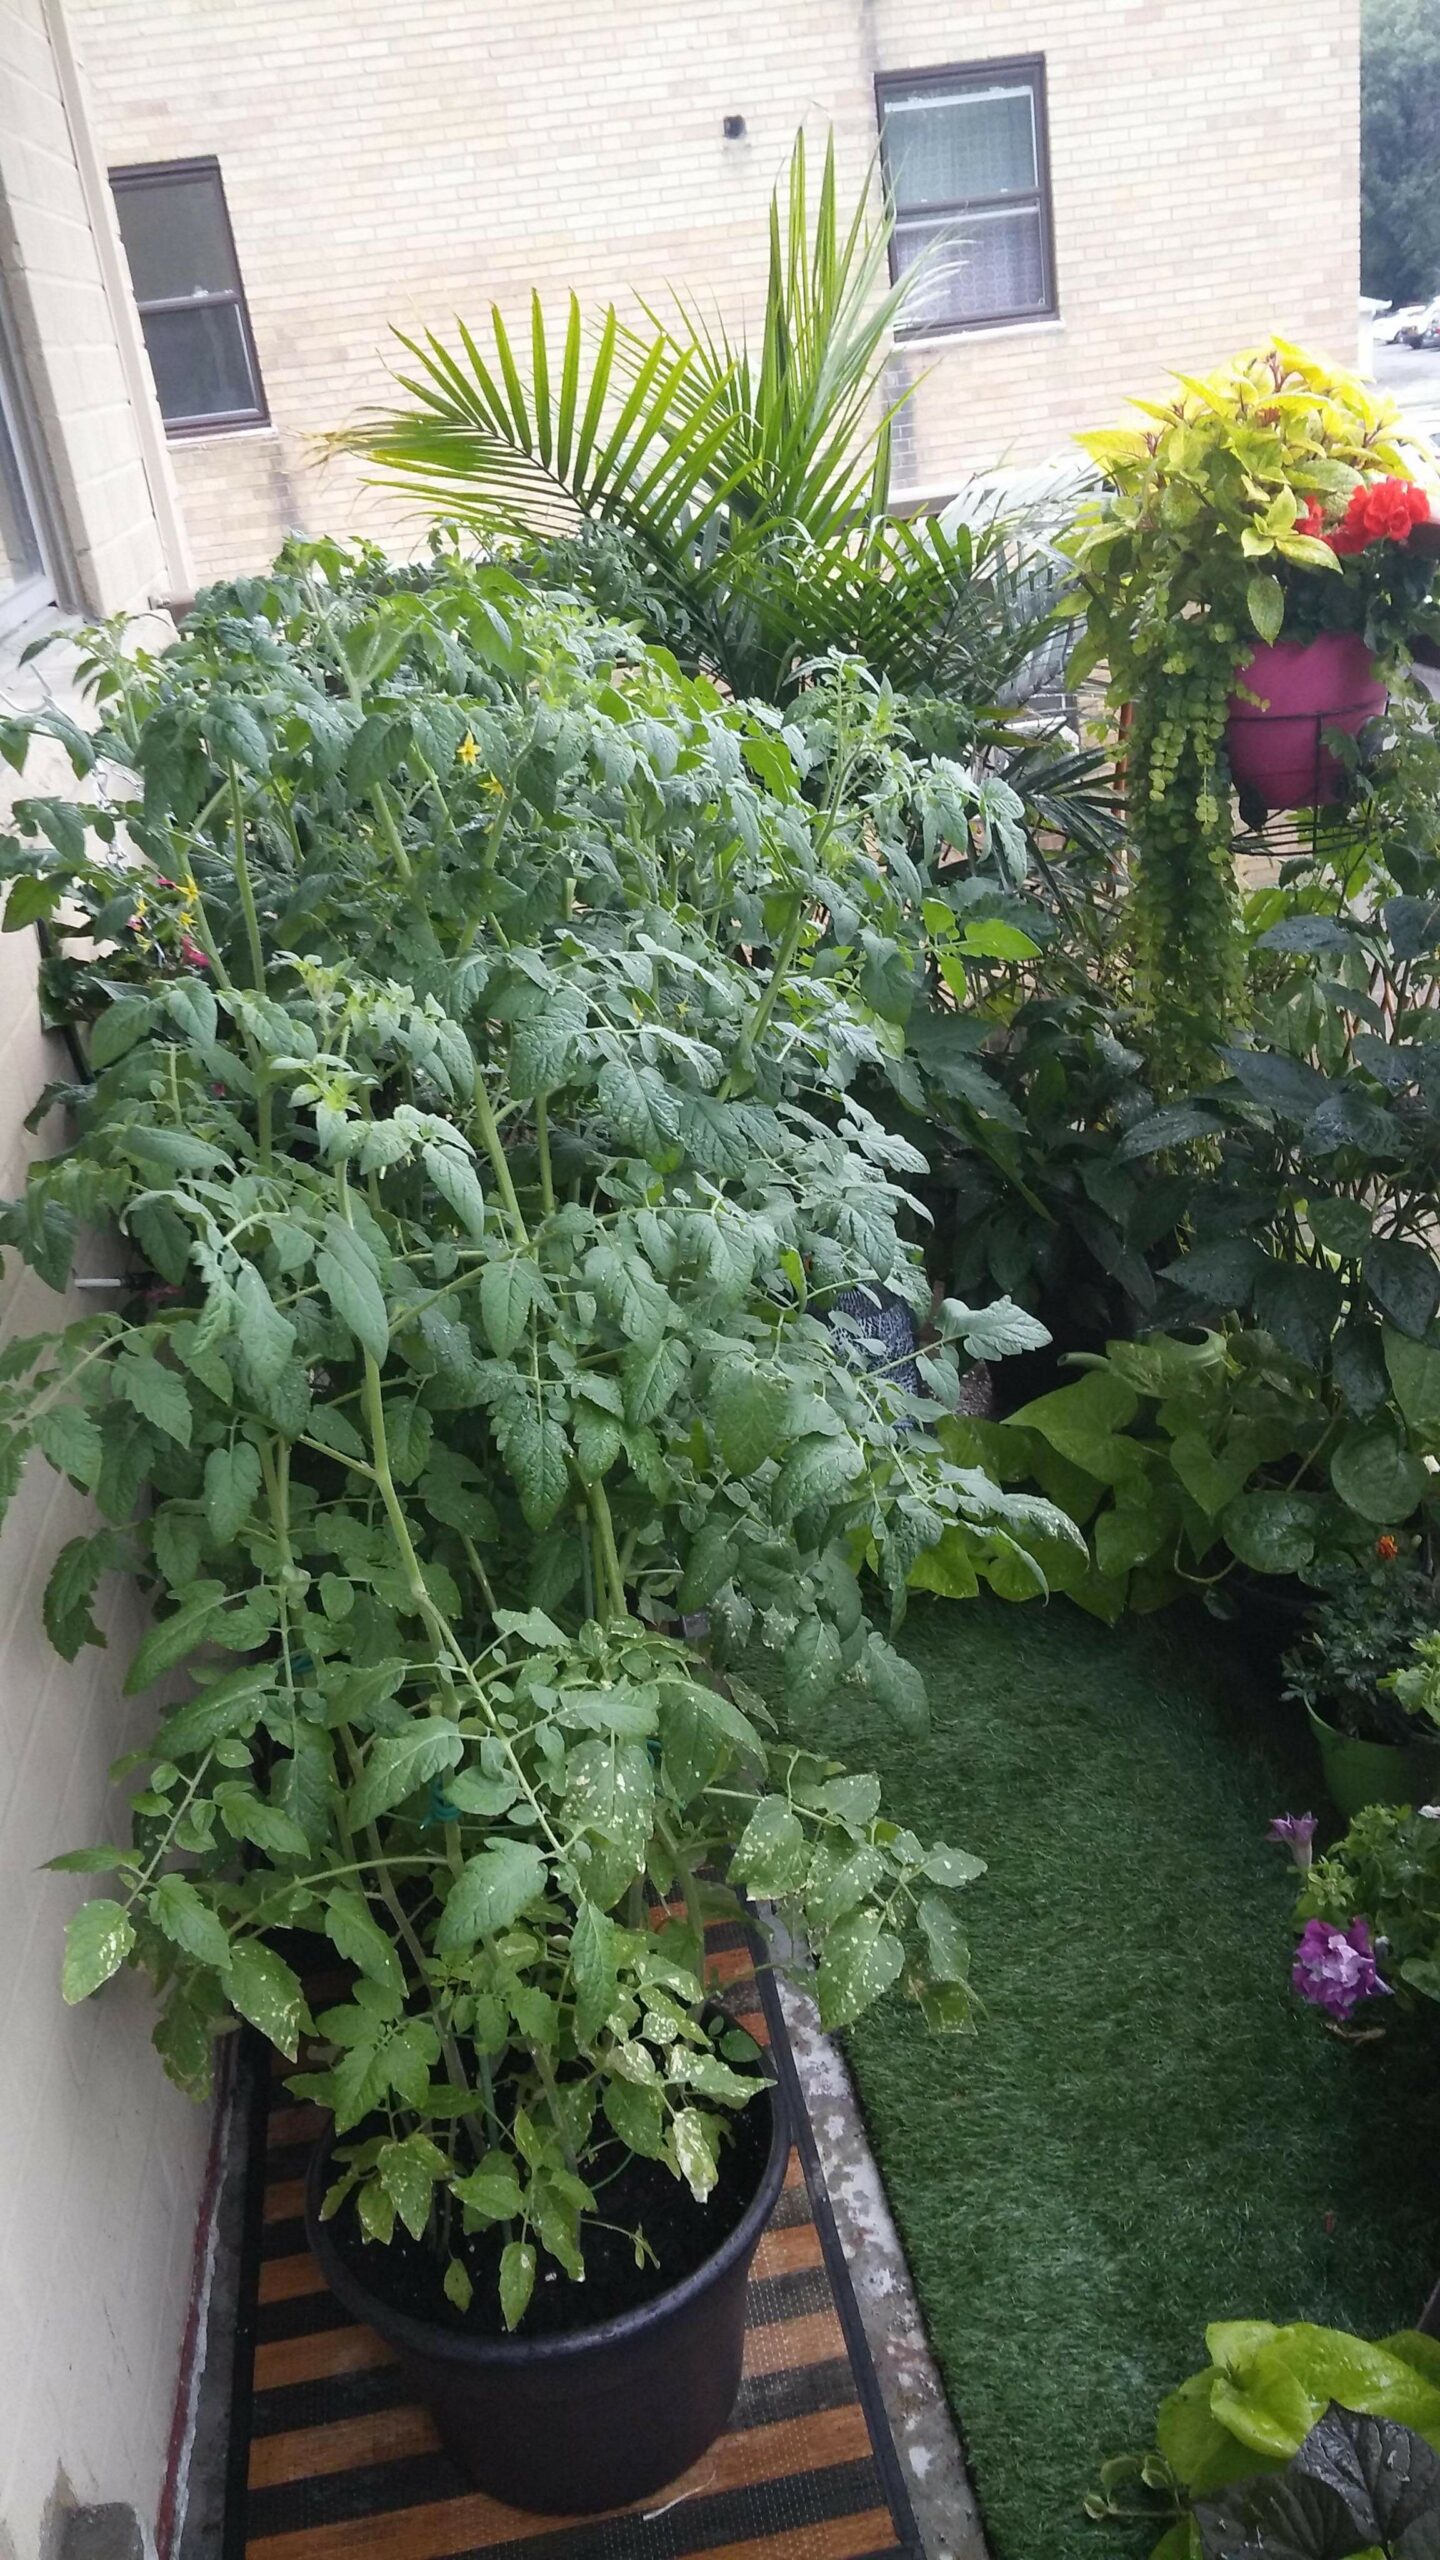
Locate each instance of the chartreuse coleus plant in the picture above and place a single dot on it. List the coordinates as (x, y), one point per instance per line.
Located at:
(1211, 540)
(468, 1063)
(1299, 2441)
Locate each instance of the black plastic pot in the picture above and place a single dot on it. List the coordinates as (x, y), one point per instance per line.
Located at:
(570, 2424)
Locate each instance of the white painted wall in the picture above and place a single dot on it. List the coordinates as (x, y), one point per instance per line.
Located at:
(101, 2161)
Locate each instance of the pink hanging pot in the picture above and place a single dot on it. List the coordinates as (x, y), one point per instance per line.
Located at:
(1276, 744)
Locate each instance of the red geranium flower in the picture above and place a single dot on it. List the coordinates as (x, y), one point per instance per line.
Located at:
(1312, 521)
(1379, 511)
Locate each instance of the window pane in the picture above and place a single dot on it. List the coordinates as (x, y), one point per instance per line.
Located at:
(19, 548)
(175, 236)
(981, 266)
(200, 361)
(951, 146)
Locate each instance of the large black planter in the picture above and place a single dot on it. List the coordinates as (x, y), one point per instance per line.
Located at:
(572, 2423)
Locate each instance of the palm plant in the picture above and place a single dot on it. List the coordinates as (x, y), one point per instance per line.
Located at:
(752, 484)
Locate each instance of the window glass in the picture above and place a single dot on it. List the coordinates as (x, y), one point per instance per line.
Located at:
(974, 266)
(947, 150)
(964, 155)
(20, 559)
(176, 237)
(189, 295)
(200, 361)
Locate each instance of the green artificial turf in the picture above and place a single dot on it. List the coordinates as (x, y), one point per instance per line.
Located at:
(1149, 2132)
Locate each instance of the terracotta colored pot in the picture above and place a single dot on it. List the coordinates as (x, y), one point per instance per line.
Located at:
(1276, 745)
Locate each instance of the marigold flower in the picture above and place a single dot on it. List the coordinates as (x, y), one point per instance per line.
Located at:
(1387, 1548)
(1335, 1969)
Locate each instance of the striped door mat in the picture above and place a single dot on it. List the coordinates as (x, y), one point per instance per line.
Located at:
(331, 2461)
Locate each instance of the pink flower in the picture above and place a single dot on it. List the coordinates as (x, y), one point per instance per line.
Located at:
(1294, 1831)
(1335, 1969)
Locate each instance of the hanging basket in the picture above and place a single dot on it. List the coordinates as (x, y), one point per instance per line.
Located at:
(1276, 743)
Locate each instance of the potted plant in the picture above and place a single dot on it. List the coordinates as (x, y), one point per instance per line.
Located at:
(1297, 2439)
(1248, 585)
(1383, 1878)
(492, 1196)
(1372, 1716)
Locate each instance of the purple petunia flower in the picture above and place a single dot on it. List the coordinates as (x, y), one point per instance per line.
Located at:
(1335, 1968)
(1294, 1831)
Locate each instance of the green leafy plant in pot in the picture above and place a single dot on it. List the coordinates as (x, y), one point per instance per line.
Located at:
(495, 1193)
(1372, 1714)
(1300, 2441)
(1385, 1873)
(1254, 544)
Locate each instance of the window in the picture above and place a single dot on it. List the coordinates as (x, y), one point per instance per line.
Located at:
(965, 162)
(25, 584)
(177, 236)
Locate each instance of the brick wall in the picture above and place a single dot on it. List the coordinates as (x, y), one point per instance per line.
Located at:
(388, 167)
(77, 340)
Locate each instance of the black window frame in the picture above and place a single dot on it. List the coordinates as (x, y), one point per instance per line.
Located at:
(1029, 67)
(142, 173)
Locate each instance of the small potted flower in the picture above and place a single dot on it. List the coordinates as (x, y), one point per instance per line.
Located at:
(1326, 671)
(1249, 582)
(1373, 1899)
(1367, 1712)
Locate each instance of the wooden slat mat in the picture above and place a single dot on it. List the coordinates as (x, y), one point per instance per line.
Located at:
(331, 2461)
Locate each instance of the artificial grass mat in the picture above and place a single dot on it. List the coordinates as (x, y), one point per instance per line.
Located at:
(1149, 2132)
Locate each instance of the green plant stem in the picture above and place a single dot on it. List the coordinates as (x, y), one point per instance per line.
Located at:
(260, 1066)
(542, 1146)
(390, 830)
(605, 1545)
(487, 1125)
(756, 1030)
(689, 1886)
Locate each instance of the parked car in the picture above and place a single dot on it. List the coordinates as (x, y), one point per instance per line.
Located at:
(1422, 328)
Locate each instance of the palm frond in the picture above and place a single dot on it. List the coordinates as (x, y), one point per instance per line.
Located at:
(755, 479)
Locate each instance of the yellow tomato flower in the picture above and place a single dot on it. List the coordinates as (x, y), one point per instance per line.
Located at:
(467, 751)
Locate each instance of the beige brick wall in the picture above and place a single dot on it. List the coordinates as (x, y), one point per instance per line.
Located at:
(388, 166)
(78, 345)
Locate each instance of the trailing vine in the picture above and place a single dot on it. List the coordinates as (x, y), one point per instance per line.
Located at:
(1230, 521)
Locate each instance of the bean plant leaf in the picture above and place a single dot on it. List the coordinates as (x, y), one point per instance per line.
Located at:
(1376, 1474)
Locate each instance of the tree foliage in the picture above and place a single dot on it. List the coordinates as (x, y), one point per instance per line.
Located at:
(1400, 150)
